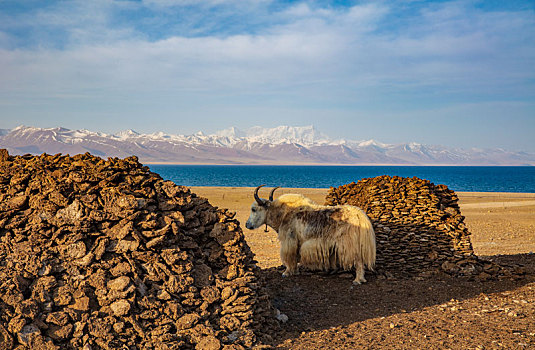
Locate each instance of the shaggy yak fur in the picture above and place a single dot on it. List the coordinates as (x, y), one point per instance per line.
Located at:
(318, 237)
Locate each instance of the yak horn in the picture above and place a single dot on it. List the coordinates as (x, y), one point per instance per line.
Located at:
(271, 194)
(258, 200)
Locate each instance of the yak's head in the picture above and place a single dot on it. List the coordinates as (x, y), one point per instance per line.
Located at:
(259, 210)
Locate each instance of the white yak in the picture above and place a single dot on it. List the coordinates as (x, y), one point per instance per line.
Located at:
(316, 236)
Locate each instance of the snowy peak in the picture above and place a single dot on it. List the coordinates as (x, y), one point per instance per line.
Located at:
(57, 134)
(126, 134)
(257, 145)
(231, 132)
(305, 135)
(371, 143)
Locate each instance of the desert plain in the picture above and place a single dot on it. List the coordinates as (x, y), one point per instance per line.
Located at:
(439, 312)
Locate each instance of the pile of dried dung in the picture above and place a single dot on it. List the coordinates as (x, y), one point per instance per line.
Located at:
(105, 254)
(418, 227)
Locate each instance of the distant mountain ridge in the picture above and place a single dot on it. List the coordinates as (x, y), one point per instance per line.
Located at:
(257, 145)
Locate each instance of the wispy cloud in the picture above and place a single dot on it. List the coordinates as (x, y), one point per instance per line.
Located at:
(295, 54)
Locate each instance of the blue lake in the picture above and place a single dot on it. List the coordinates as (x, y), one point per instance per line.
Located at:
(457, 178)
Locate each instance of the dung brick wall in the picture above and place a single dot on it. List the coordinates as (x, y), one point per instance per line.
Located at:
(418, 226)
(105, 254)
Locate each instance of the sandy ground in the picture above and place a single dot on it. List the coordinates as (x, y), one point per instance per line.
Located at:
(438, 313)
(501, 223)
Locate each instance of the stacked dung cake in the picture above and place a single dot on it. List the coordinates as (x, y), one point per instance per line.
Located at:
(105, 254)
(418, 227)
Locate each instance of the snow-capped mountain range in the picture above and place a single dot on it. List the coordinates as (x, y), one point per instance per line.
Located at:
(280, 145)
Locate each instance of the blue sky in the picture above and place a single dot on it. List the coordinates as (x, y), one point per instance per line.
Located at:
(455, 73)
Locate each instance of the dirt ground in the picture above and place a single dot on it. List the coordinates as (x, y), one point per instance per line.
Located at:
(440, 312)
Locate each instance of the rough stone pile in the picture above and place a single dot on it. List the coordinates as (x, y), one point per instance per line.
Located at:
(105, 254)
(418, 226)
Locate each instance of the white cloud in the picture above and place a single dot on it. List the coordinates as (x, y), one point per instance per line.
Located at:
(320, 44)
(299, 55)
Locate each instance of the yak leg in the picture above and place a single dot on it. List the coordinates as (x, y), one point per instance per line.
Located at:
(289, 252)
(359, 273)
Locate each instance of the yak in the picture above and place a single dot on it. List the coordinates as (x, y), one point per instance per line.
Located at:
(315, 236)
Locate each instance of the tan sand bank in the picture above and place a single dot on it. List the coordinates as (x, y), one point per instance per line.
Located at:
(500, 223)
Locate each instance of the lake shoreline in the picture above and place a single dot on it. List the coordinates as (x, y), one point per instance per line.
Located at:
(338, 164)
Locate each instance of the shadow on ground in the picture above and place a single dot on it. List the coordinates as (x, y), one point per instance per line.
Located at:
(317, 302)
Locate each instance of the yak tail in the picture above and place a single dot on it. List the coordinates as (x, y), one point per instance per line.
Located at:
(367, 242)
(359, 243)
